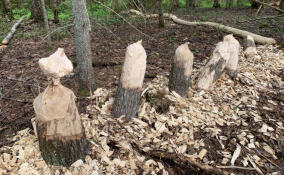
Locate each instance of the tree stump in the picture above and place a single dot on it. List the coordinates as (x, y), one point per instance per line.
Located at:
(232, 64)
(181, 70)
(130, 87)
(60, 131)
(215, 67)
(249, 46)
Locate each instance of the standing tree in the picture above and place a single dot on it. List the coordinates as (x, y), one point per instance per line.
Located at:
(161, 16)
(8, 8)
(46, 25)
(55, 4)
(282, 4)
(83, 47)
(36, 11)
(114, 4)
(174, 4)
(216, 4)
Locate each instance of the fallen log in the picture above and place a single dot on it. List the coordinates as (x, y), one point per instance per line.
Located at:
(242, 33)
(12, 32)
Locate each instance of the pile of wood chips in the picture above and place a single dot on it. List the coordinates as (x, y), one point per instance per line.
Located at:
(225, 128)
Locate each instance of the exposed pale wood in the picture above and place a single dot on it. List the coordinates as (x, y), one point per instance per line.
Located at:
(215, 67)
(242, 33)
(59, 128)
(181, 70)
(130, 87)
(12, 32)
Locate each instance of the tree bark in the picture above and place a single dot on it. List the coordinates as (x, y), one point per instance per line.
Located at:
(161, 16)
(36, 11)
(216, 4)
(114, 4)
(83, 46)
(282, 5)
(130, 88)
(46, 25)
(229, 3)
(55, 10)
(214, 68)
(8, 9)
(181, 71)
(58, 150)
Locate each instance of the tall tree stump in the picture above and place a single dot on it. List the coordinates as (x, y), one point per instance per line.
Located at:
(249, 46)
(234, 50)
(130, 87)
(181, 70)
(60, 131)
(215, 67)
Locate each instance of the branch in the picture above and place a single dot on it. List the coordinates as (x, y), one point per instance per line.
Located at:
(13, 30)
(263, 3)
(242, 33)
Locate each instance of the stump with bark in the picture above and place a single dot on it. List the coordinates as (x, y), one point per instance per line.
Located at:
(181, 70)
(59, 129)
(249, 46)
(215, 67)
(130, 87)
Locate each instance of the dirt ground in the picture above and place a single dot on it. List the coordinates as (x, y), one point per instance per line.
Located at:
(21, 79)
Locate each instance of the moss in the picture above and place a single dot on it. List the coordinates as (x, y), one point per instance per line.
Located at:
(83, 92)
(263, 25)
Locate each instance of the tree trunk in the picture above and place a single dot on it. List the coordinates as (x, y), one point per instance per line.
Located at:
(36, 11)
(59, 128)
(282, 5)
(174, 4)
(229, 3)
(46, 25)
(216, 4)
(254, 4)
(130, 87)
(114, 5)
(214, 68)
(82, 30)
(8, 9)
(187, 4)
(55, 10)
(181, 70)
(161, 16)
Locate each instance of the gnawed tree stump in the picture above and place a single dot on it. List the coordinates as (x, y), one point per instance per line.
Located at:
(181, 70)
(130, 87)
(215, 67)
(60, 132)
(249, 45)
(232, 64)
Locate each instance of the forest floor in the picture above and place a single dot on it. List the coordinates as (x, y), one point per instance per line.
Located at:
(22, 80)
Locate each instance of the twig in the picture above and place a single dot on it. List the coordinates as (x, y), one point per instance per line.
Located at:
(23, 81)
(236, 167)
(124, 19)
(68, 25)
(12, 99)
